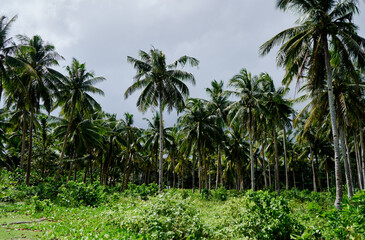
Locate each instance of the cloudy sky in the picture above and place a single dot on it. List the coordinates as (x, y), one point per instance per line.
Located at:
(223, 35)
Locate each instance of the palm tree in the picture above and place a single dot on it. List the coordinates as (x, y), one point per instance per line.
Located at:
(279, 109)
(200, 131)
(247, 88)
(37, 57)
(163, 85)
(73, 94)
(131, 145)
(85, 135)
(323, 24)
(219, 103)
(6, 47)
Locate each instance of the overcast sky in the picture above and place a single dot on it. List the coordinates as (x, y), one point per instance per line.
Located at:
(223, 35)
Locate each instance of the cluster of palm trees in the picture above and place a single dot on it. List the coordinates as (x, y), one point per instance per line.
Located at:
(239, 135)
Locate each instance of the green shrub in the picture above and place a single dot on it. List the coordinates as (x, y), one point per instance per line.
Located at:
(164, 217)
(261, 215)
(221, 194)
(143, 191)
(206, 194)
(74, 194)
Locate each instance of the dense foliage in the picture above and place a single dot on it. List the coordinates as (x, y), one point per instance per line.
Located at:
(87, 169)
(180, 214)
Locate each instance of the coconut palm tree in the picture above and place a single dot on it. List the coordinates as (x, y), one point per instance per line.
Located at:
(279, 109)
(163, 85)
(6, 47)
(247, 89)
(219, 103)
(324, 24)
(74, 95)
(200, 130)
(37, 58)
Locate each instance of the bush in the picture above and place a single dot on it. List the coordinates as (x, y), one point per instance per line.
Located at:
(143, 191)
(164, 217)
(206, 194)
(74, 194)
(221, 194)
(261, 215)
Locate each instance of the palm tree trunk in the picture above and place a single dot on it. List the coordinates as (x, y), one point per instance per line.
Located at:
(193, 172)
(124, 172)
(75, 172)
(218, 167)
(182, 177)
(344, 157)
(285, 161)
(173, 172)
(209, 185)
(313, 170)
(86, 170)
(205, 170)
(251, 152)
(200, 174)
(128, 175)
(362, 158)
(160, 177)
(110, 155)
(327, 177)
(295, 183)
(358, 163)
(69, 172)
(277, 180)
(263, 162)
(318, 173)
(64, 144)
(24, 131)
(331, 103)
(269, 168)
(91, 172)
(349, 162)
(30, 145)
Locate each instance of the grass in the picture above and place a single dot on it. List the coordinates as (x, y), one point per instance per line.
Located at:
(180, 214)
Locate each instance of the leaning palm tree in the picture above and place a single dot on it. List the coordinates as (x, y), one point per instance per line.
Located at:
(74, 95)
(163, 85)
(323, 24)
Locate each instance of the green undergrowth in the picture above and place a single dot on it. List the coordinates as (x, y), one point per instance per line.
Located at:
(78, 211)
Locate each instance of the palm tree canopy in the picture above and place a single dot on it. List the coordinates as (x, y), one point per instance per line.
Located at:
(321, 20)
(160, 80)
(75, 89)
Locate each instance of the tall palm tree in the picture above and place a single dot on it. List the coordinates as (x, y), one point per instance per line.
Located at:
(163, 85)
(200, 131)
(219, 103)
(323, 24)
(279, 110)
(37, 57)
(247, 88)
(6, 47)
(74, 95)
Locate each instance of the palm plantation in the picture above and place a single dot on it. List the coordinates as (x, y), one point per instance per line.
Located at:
(242, 144)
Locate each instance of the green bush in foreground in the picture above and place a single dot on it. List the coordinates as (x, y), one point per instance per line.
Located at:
(260, 215)
(164, 217)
